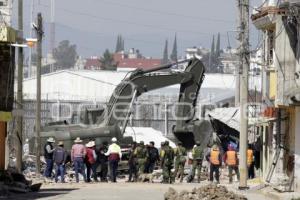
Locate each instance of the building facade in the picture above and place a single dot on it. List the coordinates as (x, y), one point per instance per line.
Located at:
(280, 124)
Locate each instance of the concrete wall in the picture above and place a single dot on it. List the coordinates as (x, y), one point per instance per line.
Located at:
(285, 64)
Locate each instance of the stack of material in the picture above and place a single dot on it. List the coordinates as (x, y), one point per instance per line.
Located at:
(209, 192)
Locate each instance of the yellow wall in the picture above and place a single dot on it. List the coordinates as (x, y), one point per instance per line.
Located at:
(7, 34)
(273, 85)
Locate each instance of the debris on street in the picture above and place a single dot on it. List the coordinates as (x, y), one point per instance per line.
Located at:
(208, 192)
(12, 181)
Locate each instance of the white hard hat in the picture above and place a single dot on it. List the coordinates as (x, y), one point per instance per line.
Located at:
(114, 139)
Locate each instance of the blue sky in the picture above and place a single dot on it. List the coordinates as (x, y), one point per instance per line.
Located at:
(93, 25)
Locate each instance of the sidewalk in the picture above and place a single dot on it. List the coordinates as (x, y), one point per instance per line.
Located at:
(258, 190)
(270, 192)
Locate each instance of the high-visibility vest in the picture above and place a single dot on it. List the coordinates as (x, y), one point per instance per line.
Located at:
(249, 157)
(231, 158)
(115, 151)
(115, 148)
(214, 157)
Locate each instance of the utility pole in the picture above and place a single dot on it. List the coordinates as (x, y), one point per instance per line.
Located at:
(52, 32)
(39, 33)
(166, 119)
(239, 65)
(244, 52)
(30, 49)
(19, 105)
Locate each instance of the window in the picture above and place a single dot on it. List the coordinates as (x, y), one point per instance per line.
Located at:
(3, 2)
(270, 47)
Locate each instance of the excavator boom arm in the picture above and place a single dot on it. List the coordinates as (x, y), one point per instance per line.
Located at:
(139, 82)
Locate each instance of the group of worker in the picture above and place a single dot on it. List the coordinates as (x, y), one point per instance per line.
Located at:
(85, 158)
(143, 159)
(230, 158)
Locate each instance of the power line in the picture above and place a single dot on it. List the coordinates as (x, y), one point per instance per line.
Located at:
(98, 34)
(165, 12)
(103, 35)
(151, 26)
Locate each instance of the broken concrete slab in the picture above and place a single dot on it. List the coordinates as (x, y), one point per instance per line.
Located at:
(208, 192)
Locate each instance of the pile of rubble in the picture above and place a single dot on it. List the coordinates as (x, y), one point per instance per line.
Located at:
(12, 181)
(208, 192)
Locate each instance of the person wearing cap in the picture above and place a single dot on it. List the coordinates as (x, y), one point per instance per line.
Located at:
(26, 148)
(141, 154)
(48, 154)
(90, 161)
(231, 160)
(103, 161)
(214, 157)
(114, 154)
(167, 161)
(78, 153)
(132, 164)
(153, 157)
(162, 145)
(180, 159)
(250, 161)
(197, 154)
(60, 158)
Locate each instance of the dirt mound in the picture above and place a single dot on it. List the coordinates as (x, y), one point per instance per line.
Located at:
(209, 192)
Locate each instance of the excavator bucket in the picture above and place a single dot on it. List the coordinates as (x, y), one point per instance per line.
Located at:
(198, 130)
(187, 130)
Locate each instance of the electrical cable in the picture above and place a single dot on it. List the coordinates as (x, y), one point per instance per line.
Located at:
(102, 35)
(165, 12)
(98, 18)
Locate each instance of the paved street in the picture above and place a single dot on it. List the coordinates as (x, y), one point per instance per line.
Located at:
(119, 191)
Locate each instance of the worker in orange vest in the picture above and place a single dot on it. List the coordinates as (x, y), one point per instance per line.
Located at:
(215, 159)
(250, 162)
(231, 160)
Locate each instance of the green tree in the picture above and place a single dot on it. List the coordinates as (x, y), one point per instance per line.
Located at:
(173, 56)
(120, 44)
(212, 49)
(65, 55)
(218, 48)
(107, 61)
(211, 56)
(165, 59)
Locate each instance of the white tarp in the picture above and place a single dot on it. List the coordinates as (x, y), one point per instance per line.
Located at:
(147, 134)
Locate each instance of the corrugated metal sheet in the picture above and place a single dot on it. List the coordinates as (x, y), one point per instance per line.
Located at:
(228, 116)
